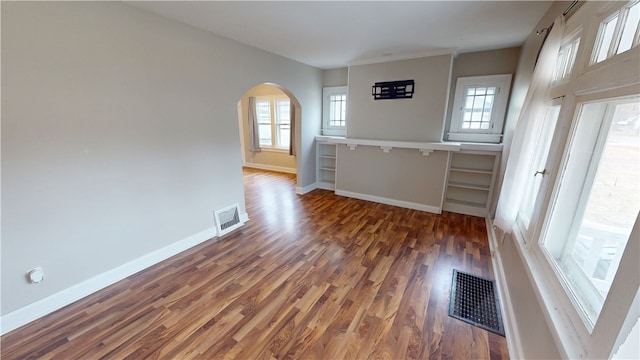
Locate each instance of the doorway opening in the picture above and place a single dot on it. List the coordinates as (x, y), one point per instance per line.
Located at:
(269, 118)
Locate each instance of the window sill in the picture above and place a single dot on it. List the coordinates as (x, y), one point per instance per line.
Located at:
(275, 150)
(566, 325)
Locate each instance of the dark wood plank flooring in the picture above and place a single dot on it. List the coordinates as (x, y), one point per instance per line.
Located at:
(316, 276)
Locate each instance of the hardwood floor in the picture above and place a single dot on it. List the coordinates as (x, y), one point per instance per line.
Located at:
(316, 276)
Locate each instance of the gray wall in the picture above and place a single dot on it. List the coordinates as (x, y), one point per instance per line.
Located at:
(265, 157)
(401, 175)
(335, 77)
(120, 136)
(418, 119)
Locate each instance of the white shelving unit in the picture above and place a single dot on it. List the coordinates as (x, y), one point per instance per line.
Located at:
(470, 182)
(326, 164)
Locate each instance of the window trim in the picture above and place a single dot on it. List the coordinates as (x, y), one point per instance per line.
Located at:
(498, 111)
(326, 93)
(589, 82)
(586, 182)
(622, 12)
(569, 40)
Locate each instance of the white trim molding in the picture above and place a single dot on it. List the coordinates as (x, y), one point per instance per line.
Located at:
(40, 308)
(388, 145)
(405, 56)
(512, 334)
(270, 168)
(387, 201)
(301, 190)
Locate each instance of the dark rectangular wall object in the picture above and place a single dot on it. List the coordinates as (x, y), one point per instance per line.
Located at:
(402, 89)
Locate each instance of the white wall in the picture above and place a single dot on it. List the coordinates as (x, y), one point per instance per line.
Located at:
(120, 136)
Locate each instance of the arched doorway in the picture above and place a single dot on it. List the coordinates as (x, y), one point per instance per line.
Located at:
(270, 137)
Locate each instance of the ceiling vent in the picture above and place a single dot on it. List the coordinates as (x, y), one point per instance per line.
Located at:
(227, 219)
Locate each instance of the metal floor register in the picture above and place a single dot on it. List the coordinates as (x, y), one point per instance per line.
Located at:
(474, 300)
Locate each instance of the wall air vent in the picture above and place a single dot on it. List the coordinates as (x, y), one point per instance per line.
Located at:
(227, 219)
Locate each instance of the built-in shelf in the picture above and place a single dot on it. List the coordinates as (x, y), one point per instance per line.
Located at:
(470, 170)
(326, 163)
(466, 203)
(470, 179)
(469, 186)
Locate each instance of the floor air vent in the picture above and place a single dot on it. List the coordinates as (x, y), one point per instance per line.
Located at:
(474, 300)
(227, 219)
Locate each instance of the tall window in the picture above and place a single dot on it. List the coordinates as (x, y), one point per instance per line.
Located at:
(618, 33)
(274, 124)
(579, 207)
(598, 199)
(543, 131)
(566, 59)
(479, 108)
(334, 111)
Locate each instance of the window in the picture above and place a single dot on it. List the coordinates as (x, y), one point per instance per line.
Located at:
(618, 32)
(598, 200)
(274, 125)
(566, 60)
(543, 131)
(577, 220)
(479, 108)
(334, 111)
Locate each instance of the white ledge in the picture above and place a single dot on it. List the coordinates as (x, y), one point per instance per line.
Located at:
(386, 145)
(424, 147)
(481, 146)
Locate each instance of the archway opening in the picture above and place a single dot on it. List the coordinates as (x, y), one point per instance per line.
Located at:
(269, 123)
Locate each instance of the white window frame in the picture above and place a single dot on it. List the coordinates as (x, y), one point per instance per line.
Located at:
(581, 186)
(565, 67)
(622, 13)
(494, 134)
(525, 223)
(615, 77)
(327, 128)
(273, 100)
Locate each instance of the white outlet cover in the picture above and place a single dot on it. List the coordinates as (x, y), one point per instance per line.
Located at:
(36, 275)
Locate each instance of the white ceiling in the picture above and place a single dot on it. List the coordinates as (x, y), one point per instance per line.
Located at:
(331, 34)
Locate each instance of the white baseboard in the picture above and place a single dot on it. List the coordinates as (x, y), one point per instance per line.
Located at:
(301, 190)
(271, 168)
(40, 308)
(394, 202)
(325, 185)
(508, 316)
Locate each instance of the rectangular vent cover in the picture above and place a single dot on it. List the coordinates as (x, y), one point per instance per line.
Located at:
(227, 219)
(475, 301)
